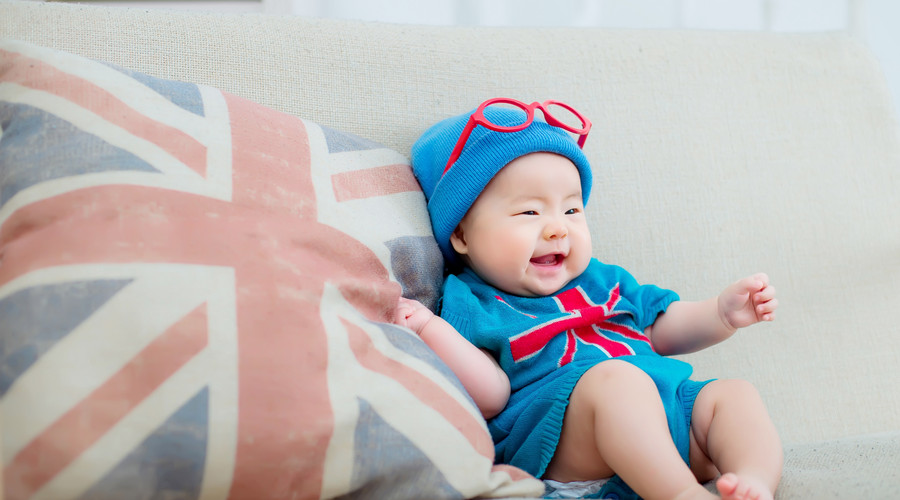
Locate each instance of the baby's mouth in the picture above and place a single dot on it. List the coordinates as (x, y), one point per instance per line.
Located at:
(548, 260)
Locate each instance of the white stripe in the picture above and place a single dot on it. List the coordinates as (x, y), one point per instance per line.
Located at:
(219, 148)
(585, 296)
(222, 372)
(350, 161)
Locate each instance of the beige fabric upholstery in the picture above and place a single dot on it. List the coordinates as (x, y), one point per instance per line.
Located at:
(715, 155)
(861, 467)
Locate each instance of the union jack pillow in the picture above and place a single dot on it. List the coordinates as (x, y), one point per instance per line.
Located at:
(195, 295)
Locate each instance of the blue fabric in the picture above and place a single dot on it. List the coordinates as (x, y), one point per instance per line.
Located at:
(545, 344)
(37, 146)
(486, 152)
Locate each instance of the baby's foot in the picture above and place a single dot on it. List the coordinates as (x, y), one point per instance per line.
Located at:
(733, 487)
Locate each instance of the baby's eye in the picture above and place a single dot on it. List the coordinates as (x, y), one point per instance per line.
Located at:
(528, 212)
(572, 211)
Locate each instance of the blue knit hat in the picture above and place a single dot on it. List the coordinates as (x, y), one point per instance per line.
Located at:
(485, 153)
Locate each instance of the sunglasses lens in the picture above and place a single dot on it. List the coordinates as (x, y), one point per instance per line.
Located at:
(566, 116)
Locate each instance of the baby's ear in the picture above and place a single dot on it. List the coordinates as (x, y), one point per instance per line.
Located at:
(458, 240)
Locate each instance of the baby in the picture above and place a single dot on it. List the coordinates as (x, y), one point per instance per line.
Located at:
(564, 355)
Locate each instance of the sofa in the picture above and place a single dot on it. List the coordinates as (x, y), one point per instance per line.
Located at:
(206, 220)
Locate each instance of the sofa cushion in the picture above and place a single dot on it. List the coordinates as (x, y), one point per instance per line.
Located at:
(863, 466)
(195, 294)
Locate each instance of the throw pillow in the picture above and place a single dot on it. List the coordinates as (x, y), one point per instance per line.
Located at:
(195, 301)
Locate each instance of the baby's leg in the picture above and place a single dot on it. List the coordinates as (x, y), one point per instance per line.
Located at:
(732, 427)
(616, 424)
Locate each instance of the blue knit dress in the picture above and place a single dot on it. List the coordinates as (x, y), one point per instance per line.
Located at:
(545, 344)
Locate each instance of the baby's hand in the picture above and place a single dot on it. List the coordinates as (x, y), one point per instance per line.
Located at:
(412, 314)
(748, 301)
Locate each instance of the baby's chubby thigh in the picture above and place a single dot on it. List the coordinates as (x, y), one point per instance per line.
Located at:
(615, 414)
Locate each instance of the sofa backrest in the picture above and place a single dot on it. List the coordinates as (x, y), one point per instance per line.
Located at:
(715, 155)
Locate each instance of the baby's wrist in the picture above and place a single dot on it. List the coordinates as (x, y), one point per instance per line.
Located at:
(425, 324)
(723, 317)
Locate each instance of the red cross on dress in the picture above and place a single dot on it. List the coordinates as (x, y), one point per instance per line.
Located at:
(586, 322)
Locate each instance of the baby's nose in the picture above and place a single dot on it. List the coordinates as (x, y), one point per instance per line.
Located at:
(555, 231)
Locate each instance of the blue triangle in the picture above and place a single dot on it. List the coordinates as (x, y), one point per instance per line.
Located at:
(341, 142)
(36, 318)
(168, 465)
(182, 94)
(418, 264)
(37, 146)
(388, 465)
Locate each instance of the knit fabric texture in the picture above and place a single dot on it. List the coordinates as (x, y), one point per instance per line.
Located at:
(450, 195)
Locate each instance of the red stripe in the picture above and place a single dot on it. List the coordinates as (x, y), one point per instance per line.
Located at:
(571, 346)
(37, 75)
(372, 182)
(427, 391)
(81, 427)
(613, 298)
(624, 331)
(283, 258)
(285, 418)
(573, 299)
(529, 342)
(612, 347)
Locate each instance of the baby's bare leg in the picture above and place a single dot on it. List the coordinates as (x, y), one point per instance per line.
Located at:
(616, 423)
(732, 427)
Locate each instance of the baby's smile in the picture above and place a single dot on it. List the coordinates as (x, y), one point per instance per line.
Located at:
(548, 260)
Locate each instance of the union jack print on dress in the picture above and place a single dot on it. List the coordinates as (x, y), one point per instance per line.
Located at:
(188, 309)
(585, 322)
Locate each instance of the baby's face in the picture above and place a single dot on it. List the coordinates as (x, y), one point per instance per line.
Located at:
(526, 234)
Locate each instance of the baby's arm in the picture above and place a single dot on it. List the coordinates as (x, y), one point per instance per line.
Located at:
(692, 326)
(478, 371)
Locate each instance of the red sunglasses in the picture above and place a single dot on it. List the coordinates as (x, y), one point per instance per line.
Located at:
(478, 118)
